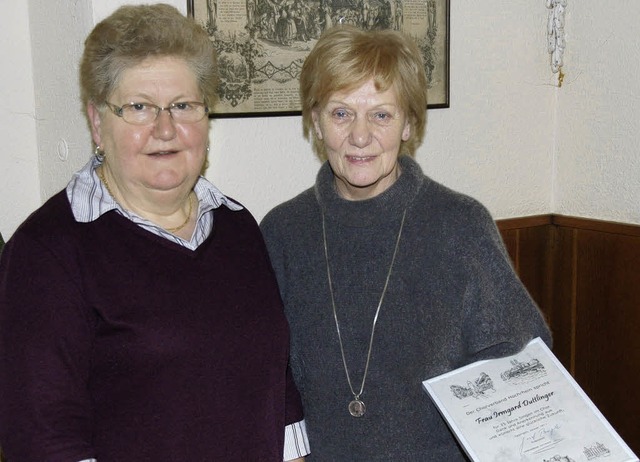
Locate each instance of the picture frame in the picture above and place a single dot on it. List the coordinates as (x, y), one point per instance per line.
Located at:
(262, 45)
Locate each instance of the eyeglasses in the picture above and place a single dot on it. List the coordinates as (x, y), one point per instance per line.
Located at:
(188, 112)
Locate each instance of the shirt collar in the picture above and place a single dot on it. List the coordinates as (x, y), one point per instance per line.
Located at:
(90, 199)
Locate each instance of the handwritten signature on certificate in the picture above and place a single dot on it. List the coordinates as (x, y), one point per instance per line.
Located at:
(541, 439)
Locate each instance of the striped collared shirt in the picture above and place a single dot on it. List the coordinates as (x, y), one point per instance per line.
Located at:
(89, 199)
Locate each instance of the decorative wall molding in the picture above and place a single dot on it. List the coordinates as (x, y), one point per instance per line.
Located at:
(555, 33)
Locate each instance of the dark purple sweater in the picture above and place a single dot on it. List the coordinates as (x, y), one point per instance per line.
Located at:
(120, 345)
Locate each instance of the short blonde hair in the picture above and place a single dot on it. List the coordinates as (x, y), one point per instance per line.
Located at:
(346, 57)
(133, 33)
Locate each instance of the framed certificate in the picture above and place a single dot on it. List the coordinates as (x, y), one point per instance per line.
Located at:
(525, 408)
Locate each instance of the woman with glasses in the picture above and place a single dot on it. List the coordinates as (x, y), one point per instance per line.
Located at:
(139, 315)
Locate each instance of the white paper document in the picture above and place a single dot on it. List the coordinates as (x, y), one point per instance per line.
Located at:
(525, 408)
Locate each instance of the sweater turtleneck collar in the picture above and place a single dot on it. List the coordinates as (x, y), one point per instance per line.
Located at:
(387, 206)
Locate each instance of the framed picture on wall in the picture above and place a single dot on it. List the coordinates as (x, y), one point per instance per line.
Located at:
(262, 44)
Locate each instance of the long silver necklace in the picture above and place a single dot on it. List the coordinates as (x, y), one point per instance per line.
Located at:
(356, 405)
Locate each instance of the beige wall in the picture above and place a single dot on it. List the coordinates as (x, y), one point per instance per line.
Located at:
(19, 179)
(511, 137)
(598, 116)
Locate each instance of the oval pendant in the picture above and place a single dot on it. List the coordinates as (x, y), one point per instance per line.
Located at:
(356, 408)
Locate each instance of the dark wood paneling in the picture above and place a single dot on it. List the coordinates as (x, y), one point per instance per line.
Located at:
(529, 249)
(534, 264)
(608, 327)
(595, 225)
(585, 276)
(562, 306)
(529, 243)
(510, 238)
(524, 222)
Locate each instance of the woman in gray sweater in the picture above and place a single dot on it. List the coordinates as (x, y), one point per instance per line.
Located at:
(388, 278)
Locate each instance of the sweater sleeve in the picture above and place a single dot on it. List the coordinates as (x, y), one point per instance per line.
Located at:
(293, 403)
(45, 340)
(500, 317)
(273, 240)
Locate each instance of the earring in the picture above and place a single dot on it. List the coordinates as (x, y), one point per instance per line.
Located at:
(205, 165)
(98, 153)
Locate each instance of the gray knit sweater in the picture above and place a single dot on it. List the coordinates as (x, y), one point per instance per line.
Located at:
(453, 298)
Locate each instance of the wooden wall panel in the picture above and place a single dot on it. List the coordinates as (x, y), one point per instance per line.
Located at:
(585, 276)
(534, 260)
(562, 301)
(607, 327)
(527, 241)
